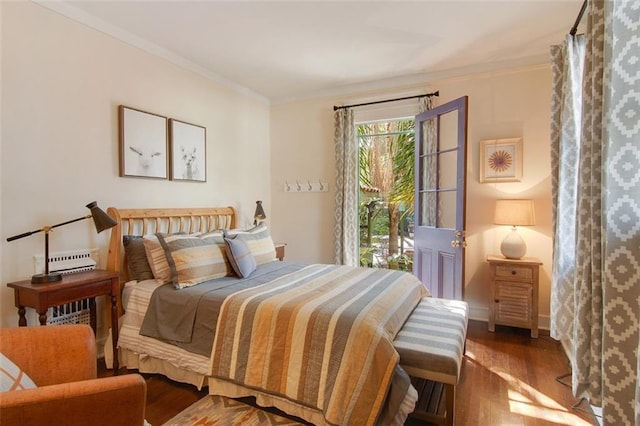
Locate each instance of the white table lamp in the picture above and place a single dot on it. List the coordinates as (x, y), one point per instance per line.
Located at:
(514, 213)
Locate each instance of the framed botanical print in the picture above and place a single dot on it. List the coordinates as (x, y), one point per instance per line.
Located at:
(143, 143)
(188, 151)
(501, 160)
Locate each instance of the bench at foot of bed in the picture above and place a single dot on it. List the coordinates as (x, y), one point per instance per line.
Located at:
(431, 346)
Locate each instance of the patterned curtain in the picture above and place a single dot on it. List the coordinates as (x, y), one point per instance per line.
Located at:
(587, 321)
(567, 62)
(596, 283)
(620, 116)
(346, 233)
(425, 103)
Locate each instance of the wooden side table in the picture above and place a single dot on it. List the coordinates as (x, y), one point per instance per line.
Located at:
(73, 287)
(514, 292)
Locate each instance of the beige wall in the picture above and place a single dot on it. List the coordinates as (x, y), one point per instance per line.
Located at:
(501, 105)
(302, 149)
(61, 85)
(62, 82)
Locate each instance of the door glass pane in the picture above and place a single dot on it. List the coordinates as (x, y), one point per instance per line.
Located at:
(429, 142)
(449, 131)
(447, 209)
(428, 178)
(427, 209)
(428, 172)
(448, 166)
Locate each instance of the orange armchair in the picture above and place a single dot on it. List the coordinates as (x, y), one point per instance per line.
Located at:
(61, 360)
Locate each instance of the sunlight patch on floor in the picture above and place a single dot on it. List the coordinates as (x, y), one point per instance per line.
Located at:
(546, 414)
(527, 401)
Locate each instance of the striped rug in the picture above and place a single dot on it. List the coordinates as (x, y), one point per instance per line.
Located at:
(215, 410)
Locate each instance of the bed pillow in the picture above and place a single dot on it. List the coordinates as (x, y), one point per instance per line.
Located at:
(12, 377)
(258, 240)
(157, 259)
(215, 236)
(240, 257)
(193, 259)
(136, 256)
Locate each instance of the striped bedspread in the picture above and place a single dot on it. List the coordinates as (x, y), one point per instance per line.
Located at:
(321, 337)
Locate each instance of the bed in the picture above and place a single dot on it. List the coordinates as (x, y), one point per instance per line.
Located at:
(315, 341)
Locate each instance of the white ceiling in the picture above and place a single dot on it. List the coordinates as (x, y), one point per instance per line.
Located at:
(284, 50)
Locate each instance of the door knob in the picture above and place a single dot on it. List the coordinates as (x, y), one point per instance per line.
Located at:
(455, 243)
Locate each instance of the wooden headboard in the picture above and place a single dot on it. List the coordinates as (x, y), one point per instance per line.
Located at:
(150, 221)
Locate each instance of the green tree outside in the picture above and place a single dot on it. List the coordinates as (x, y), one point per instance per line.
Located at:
(386, 161)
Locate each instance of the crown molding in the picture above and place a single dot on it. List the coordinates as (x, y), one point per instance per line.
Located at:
(78, 15)
(426, 79)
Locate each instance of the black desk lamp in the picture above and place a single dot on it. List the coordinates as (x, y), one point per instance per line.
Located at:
(259, 214)
(101, 220)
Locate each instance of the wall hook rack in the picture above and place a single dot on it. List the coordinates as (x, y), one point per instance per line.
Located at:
(309, 186)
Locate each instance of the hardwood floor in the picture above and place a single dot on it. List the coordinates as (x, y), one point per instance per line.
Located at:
(508, 378)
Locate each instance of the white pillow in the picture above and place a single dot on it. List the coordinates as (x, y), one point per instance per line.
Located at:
(12, 377)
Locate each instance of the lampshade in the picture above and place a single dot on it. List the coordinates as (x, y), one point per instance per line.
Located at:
(259, 214)
(514, 213)
(101, 220)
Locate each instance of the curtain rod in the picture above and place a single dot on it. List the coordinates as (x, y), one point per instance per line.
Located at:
(436, 93)
(574, 29)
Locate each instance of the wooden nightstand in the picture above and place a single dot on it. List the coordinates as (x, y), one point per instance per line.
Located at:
(514, 292)
(280, 251)
(73, 287)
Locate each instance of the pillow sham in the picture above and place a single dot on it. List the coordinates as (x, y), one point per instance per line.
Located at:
(137, 264)
(215, 236)
(193, 259)
(258, 240)
(12, 377)
(157, 259)
(240, 257)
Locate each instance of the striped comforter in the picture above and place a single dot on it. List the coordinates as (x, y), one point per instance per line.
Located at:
(321, 337)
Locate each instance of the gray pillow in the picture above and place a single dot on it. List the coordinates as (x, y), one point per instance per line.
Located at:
(258, 240)
(137, 263)
(240, 257)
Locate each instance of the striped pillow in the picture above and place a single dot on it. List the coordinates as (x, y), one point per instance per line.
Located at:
(258, 240)
(157, 259)
(240, 257)
(193, 259)
(12, 377)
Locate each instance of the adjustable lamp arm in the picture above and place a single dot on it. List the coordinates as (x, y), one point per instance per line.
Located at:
(26, 234)
(47, 228)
